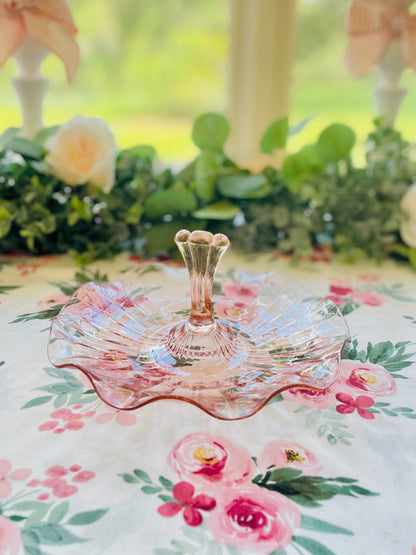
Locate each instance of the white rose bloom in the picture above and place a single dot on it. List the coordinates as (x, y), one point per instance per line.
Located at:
(83, 150)
(408, 227)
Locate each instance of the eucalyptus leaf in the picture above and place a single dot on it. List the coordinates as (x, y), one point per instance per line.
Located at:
(210, 131)
(242, 186)
(222, 210)
(206, 172)
(275, 136)
(336, 142)
(24, 147)
(170, 201)
(305, 162)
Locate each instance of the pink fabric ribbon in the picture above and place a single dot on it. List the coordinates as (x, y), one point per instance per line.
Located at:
(372, 26)
(48, 21)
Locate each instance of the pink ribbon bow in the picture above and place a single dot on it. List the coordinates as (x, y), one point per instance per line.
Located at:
(48, 21)
(372, 25)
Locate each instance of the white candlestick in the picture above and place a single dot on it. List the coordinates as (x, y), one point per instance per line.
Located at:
(387, 93)
(30, 85)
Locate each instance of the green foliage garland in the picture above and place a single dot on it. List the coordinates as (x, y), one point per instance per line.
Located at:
(318, 199)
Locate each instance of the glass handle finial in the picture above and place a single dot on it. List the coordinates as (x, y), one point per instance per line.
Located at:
(201, 251)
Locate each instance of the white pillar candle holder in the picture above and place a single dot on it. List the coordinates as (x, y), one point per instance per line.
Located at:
(30, 85)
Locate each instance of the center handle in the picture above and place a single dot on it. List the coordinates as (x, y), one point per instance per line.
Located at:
(201, 251)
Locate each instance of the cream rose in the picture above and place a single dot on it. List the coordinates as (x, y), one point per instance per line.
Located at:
(408, 227)
(83, 150)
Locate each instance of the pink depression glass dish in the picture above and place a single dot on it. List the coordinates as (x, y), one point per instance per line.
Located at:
(227, 349)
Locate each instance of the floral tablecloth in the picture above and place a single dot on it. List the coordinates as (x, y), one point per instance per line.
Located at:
(311, 473)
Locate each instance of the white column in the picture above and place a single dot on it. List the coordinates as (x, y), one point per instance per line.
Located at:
(262, 37)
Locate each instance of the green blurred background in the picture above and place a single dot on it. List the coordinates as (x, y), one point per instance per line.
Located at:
(149, 67)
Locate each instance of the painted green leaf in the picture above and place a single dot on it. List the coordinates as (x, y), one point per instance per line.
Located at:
(38, 401)
(311, 523)
(87, 517)
(129, 478)
(27, 505)
(58, 512)
(151, 489)
(275, 136)
(170, 201)
(167, 484)
(336, 142)
(185, 547)
(54, 534)
(313, 546)
(243, 186)
(222, 210)
(142, 475)
(210, 131)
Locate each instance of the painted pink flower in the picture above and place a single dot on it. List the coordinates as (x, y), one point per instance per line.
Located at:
(183, 492)
(52, 300)
(337, 299)
(235, 311)
(63, 490)
(48, 426)
(56, 471)
(369, 278)
(280, 454)
(366, 377)
(124, 418)
(244, 293)
(349, 404)
(310, 398)
(367, 298)
(254, 518)
(10, 540)
(6, 475)
(83, 476)
(340, 290)
(209, 459)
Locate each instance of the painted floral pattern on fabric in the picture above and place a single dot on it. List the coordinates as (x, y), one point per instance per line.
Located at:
(33, 515)
(365, 290)
(242, 504)
(75, 404)
(366, 380)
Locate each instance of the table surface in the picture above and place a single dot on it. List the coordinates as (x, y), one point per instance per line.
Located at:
(321, 474)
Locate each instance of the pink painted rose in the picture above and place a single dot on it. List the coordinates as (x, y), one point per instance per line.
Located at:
(210, 459)
(10, 540)
(366, 377)
(280, 454)
(244, 293)
(52, 300)
(367, 298)
(6, 475)
(310, 398)
(254, 518)
(235, 311)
